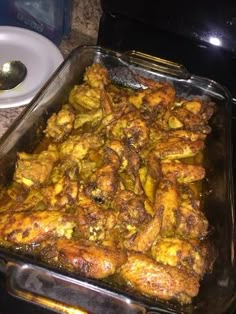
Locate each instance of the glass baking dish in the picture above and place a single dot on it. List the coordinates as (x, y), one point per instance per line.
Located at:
(65, 292)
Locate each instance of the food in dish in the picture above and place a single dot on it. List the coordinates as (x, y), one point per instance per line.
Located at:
(114, 189)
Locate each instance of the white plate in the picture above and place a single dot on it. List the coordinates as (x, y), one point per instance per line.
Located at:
(38, 53)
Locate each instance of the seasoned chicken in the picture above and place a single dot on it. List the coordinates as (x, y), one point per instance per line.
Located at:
(88, 96)
(25, 200)
(30, 227)
(61, 124)
(103, 183)
(77, 146)
(96, 76)
(132, 128)
(34, 169)
(168, 199)
(129, 166)
(193, 136)
(177, 148)
(131, 208)
(115, 187)
(89, 119)
(93, 222)
(150, 176)
(185, 173)
(63, 186)
(157, 95)
(154, 279)
(189, 255)
(131, 213)
(147, 234)
(190, 120)
(83, 97)
(65, 168)
(62, 194)
(192, 223)
(84, 257)
(204, 109)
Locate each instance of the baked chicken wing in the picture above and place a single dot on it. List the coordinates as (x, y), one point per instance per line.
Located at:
(154, 279)
(84, 257)
(30, 227)
(188, 255)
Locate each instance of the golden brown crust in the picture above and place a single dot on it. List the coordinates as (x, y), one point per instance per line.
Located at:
(84, 257)
(157, 280)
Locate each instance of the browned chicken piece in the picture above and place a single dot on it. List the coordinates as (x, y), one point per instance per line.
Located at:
(33, 201)
(193, 105)
(137, 133)
(177, 148)
(93, 160)
(110, 120)
(189, 120)
(132, 128)
(150, 176)
(168, 199)
(189, 255)
(60, 124)
(185, 173)
(85, 98)
(29, 227)
(76, 147)
(96, 76)
(12, 196)
(156, 280)
(61, 195)
(15, 191)
(197, 106)
(35, 169)
(66, 168)
(129, 165)
(103, 183)
(147, 234)
(27, 199)
(106, 102)
(121, 149)
(90, 119)
(120, 97)
(136, 98)
(160, 97)
(93, 222)
(187, 134)
(84, 257)
(131, 210)
(62, 188)
(192, 223)
(157, 96)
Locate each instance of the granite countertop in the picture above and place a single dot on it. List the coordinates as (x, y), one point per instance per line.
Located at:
(85, 21)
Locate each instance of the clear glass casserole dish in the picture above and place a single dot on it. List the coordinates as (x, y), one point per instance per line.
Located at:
(66, 292)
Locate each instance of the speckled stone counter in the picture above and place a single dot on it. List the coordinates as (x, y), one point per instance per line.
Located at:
(85, 21)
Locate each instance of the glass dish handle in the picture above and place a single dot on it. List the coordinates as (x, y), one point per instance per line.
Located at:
(158, 64)
(63, 294)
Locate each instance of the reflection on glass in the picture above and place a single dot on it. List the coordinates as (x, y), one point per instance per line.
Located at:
(215, 41)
